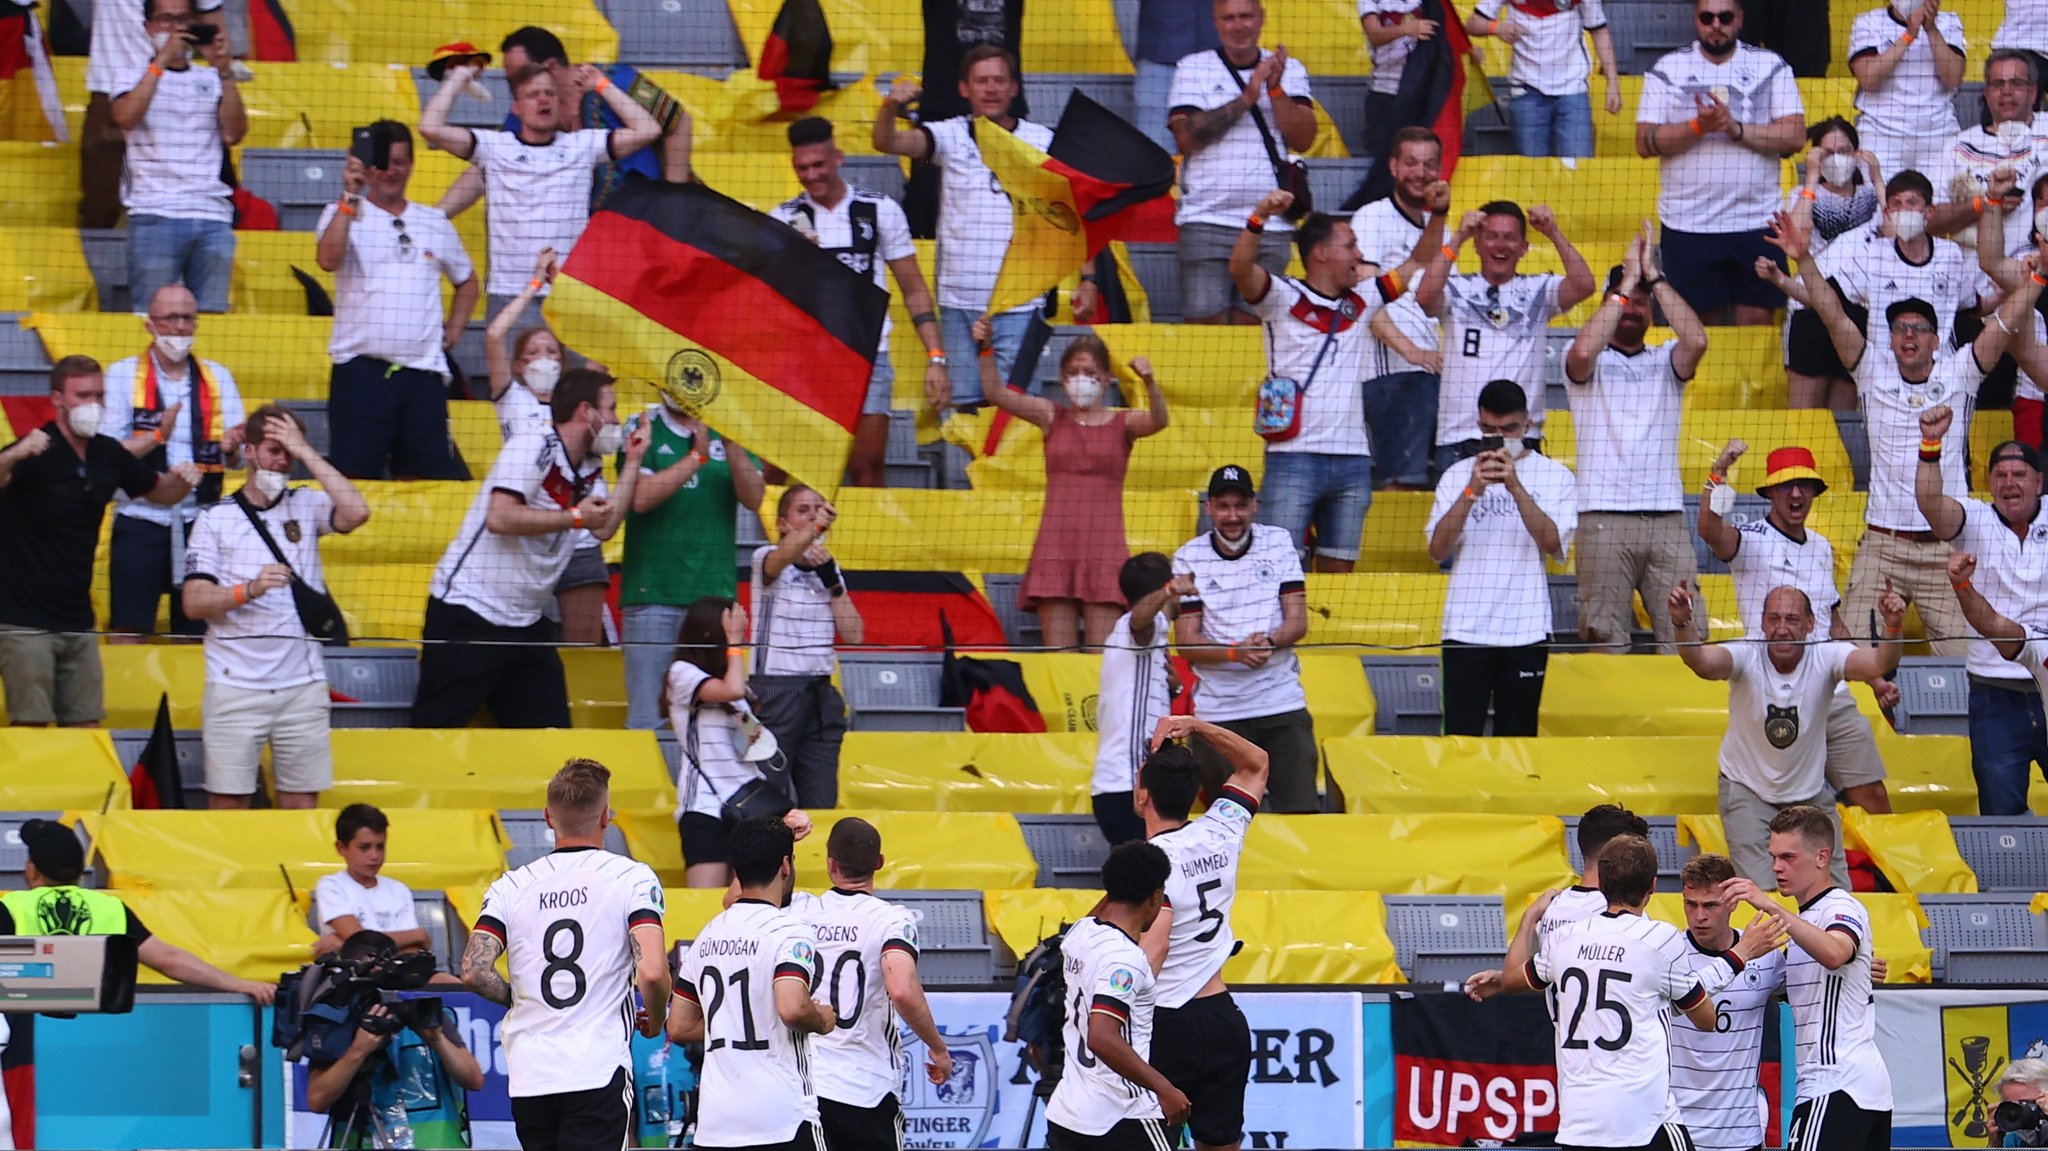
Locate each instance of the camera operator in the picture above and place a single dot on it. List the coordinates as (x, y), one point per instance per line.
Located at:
(396, 1075)
(2018, 1121)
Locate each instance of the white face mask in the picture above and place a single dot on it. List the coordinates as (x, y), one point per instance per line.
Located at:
(1906, 8)
(1909, 224)
(2041, 221)
(1085, 391)
(85, 420)
(268, 484)
(175, 349)
(1837, 167)
(1514, 449)
(609, 439)
(541, 375)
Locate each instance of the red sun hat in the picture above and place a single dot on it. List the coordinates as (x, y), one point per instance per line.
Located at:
(1788, 464)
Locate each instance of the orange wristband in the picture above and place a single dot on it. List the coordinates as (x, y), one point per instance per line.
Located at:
(986, 351)
(1276, 92)
(1469, 494)
(1963, 586)
(576, 518)
(344, 208)
(1694, 124)
(155, 69)
(603, 82)
(1230, 653)
(1807, 194)
(1716, 478)
(1907, 39)
(1618, 298)
(1255, 223)
(241, 594)
(1450, 253)
(735, 653)
(1493, 27)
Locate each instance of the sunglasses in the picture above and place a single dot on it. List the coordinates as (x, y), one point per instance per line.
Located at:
(404, 241)
(1709, 19)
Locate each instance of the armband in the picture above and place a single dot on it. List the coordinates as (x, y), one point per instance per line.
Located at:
(1962, 586)
(1254, 223)
(1807, 194)
(576, 518)
(1694, 125)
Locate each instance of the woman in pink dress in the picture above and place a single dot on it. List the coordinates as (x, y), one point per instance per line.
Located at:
(1071, 581)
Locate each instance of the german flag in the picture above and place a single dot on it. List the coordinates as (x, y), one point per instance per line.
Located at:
(797, 58)
(1442, 84)
(736, 317)
(1068, 204)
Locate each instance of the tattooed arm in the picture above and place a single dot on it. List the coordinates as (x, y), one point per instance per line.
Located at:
(480, 968)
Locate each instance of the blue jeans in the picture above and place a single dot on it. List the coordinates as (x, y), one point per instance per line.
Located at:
(2006, 738)
(1330, 492)
(1400, 410)
(199, 254)
(1149, 92)
(956, 335)
(649, 634)
(1553, 125)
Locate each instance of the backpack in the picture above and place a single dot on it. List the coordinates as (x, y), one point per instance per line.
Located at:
(1038, 1006)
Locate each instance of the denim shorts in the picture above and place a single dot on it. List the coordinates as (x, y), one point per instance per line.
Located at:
(1329, 492)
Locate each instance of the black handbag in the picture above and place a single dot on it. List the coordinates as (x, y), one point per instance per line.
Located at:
(318, 613)
(770, 796)
(1289, 174)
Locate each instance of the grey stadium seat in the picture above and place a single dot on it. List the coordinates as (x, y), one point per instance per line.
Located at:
(1069, 849)
(14, 856)
(1855, 434)
(952, 937)
(1671, 855)
(106, 254)
(531, 837)
(1986, 938)
(1332, 180)
(1564, 607)
(896, 691)
(748, 537)
(904, 465)
(1020, 628)
(2008, 853)
(1407, 692)
(1343, 98)
(676, 33)
(445, 933)
(1646, 29)
(380, 680)
(299, 182)
(1157, 267)
(24, 365)
(128, 745)
(879, 174)
(1444, 938)
(1934, 695)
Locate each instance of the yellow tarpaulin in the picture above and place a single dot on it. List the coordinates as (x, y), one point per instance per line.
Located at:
(925, 849)
(256, 935)
(965, 771)
(1667, 776)
(1448, 854)
(384, 31)
(1896, 922)
(1926, 772)
(59, 769)
(317, 104)
(1338, 696)
(1915, 850)
(489, 767)
(257, 850)
(1020, 917)
(264, 283)
(41, 190)
(1651, 695)
(272, 357)
(44, 270)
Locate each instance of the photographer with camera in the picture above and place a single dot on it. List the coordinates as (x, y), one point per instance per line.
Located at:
(2019, 1120)
(402, 1079)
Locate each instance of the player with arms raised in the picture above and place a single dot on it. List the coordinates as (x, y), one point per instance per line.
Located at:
(581, 930)
(744, 991)
(1202, 1043)
(1111, 1098)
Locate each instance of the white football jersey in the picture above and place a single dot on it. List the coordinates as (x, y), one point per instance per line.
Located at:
(1571, 905)
(1616, 975)
(1832, 1010)
(1766, 559)
(564, 920)
(1714, 1073)
(756, 1086)
(861, 1061)
(1199, 891)
(1107, 972)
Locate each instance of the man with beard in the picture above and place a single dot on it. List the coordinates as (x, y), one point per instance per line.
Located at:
(1402, 362)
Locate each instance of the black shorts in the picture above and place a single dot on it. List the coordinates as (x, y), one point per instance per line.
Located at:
(1205, 1049)
(1834, 1122)
(1127, 1135)
(850, 1128)
(1670, 1137)
(704, 839)
(808, 1137)
(1713, 270)
(600, 1119)
(1809, 351)
(1116, 817)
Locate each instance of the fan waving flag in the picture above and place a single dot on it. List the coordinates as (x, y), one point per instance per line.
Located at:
(797, 58)
(1068, 204)
(737, 318)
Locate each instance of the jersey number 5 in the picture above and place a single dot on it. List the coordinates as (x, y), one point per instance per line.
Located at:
(1596, 992)
(1208, 914)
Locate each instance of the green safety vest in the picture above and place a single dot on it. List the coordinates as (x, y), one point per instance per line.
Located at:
(65, 910)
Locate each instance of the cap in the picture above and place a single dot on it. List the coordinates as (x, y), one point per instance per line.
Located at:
(1231, 478)
(449, 55)
(1787, 464)
(2014, 450)
(1912, 306)
(54, 849)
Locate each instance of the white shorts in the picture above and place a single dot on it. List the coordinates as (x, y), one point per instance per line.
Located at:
(293, 721)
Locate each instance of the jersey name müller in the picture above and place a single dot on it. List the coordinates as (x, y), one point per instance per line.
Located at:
(1714, 1073)
(1107, 973)
(1199, 891)
(756, 1084)
(564, 920)
(861, 1062)
(1832, 1012)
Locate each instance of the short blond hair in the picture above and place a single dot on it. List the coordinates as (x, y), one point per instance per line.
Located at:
(578, 796)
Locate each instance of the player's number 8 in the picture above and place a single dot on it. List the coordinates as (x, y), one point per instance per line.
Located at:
(558, 963)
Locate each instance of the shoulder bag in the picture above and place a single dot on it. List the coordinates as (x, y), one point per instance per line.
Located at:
(318, 612)
(1290, 173)
(1278, 417)
(770, 795)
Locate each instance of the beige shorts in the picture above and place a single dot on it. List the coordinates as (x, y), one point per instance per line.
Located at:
(293, 721)
(51, 677)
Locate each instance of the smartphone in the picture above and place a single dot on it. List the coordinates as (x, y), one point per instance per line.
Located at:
(1492, 443)
(370, 146)
(203, 33)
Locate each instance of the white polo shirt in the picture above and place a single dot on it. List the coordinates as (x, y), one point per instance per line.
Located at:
(834, 230)
(1626, 416)
(1238, 597)
(119, 422)
(1388, 58)
(975, 217)
(1492, 332)
(539, 196)
(1872, 272)
(387, 292)
(1551, 56)
(1719, 186)
(2012, 570)
(1777, 739)
(1387, 236)
(173, 160)
(792, 628)
(1224, 181)
(261, 645)
(509, 580)
(1499, 593)
(1912, 100)
(1891, 412)
(120, 48)
(385, 905)
(1319, 342)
